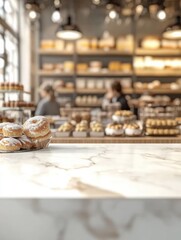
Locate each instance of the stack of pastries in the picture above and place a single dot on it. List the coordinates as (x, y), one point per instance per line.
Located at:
(122, 116)
(114, 129)
(34, 134)
(161, 127)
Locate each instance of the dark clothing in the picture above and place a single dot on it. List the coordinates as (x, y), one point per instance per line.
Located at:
(48, 108)
(124, 103)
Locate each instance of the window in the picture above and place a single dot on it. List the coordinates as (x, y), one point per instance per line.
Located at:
(9, 41)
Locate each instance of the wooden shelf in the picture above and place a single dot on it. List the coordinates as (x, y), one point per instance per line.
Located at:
(104, 74)
(65, 90)
(113, 52)
(91, 52)
(100, 52)
(43, 73)
(14, 91)
(157, 91)
(99, 91)
(118, 140)
(158, 73)
(158, 52)
(88, 105)
(16, 109)
(55, 52)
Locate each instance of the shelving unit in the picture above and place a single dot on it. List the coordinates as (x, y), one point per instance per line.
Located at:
(135, 74)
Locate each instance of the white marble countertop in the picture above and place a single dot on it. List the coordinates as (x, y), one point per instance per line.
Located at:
(95, 170)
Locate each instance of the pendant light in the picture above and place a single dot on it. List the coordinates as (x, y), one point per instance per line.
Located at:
(173, 31)
(69, 31)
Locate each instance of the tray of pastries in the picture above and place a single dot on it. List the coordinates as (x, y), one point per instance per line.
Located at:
(65, 130)
(34, 134)
(96, 129)
(122, 116)
(81, 129)
(161, 127)
(114, 129)
(133, 129)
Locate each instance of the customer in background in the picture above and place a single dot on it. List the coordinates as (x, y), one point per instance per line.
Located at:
(48, 106)
(115, 97)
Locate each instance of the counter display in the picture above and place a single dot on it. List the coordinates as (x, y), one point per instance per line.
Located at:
(95, 170)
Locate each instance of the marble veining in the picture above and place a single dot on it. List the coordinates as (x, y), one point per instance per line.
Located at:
(95, 170)
(115, 219)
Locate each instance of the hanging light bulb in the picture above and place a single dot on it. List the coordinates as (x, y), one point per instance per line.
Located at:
(56, 16)
(113, 14)
(161, 15)
(33, 10)
(33, 14)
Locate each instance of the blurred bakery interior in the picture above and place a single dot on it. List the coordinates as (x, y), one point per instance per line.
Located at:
(112, 67)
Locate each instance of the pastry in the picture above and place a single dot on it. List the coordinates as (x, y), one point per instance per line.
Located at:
(25, 142)
(161, 123)
(12, 130)
(36, 127)
(114, 129)
(10, 144)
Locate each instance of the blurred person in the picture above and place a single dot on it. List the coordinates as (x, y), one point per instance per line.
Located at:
(115, 97)
(48, 106)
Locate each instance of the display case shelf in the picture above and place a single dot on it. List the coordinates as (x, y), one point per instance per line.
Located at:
(55, 52)
(99, 91)
(157, 91)
(43, 73)
(99, 52)
(104, 74)
(158, 73)
(88, 105)
(158, 52)
(65, 90)
(14, 91)
(17, 109)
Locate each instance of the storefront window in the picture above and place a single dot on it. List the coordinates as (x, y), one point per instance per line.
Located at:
(9, 41)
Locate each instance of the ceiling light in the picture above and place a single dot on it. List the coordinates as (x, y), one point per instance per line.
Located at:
(173, 31)
(113, 14)
(96, 2)
(161, 15)
(56, 16)
(69, 31)
(33, 15)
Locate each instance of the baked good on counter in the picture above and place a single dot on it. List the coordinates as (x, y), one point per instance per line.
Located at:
(1, 127)
(169, 123)
(122, 116)
(132, 129)
(10, 144)
(114, 129)
(12, 130)
(38, 130)
(25, 142)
